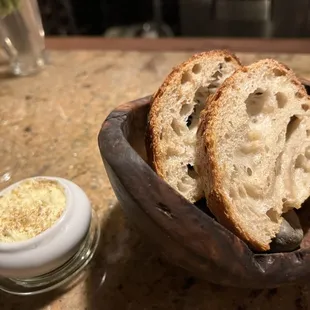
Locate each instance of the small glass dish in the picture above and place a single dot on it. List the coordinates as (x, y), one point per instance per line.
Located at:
(57, 256)
(10, 161)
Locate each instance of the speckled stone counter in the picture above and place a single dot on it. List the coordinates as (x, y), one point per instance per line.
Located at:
(49, 125)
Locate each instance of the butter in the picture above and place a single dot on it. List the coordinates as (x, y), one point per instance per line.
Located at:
(30, 208)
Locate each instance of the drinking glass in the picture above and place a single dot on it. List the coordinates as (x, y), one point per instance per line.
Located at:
(22, 36)
(155, 28)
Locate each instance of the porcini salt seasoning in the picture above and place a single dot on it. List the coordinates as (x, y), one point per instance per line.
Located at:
(30, 208)
(48, 234)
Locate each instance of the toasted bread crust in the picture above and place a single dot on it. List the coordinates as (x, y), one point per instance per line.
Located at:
(155, 158)
(216, 198)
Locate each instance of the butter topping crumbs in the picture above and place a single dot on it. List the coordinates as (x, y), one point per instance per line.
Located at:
(29, 209)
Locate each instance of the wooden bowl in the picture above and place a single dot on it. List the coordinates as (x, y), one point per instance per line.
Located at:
(185, 234)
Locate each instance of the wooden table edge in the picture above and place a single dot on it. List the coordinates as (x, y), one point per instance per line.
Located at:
(249, 45)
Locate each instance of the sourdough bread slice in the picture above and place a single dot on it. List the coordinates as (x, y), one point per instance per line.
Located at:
(174, 117)
(253, 154)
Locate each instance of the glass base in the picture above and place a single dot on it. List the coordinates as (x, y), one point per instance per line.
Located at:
(152, 30)
(24, 65)
(8, 169)
(64, 275)
(5, 176)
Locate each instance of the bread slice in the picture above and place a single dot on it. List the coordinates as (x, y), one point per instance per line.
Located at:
(253, 150)
(174, 116)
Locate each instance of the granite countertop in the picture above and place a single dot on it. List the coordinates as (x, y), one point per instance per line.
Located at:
(50, 123)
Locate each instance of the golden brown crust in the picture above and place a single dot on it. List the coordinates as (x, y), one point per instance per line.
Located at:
(216, 198)
(152, 134)
(148, 143)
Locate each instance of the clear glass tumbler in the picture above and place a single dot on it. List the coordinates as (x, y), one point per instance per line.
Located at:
(22, 36)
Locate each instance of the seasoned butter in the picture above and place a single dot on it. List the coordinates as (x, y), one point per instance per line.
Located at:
(30, 208)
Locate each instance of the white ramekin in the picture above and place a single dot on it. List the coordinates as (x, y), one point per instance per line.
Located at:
(53, 247)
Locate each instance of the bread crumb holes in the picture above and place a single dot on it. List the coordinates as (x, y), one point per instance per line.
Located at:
(196, 68)
(186, 77)
(281, 100)
(186, 109)
(278, 72)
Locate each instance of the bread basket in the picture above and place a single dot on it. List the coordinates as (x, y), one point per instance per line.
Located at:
(181, 231)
